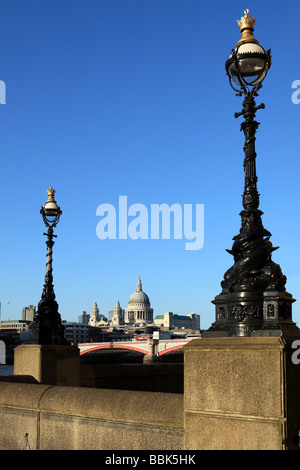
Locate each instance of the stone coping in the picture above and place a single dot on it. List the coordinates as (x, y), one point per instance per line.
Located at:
(148, 407)
(233, 342)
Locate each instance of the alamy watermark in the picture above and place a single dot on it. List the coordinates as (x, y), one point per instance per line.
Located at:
(161, 222)
(296, 93)
(2, 352)
(2, 92)
(296, 354)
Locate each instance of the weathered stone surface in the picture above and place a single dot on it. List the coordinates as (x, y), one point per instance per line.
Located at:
(73, 418)
(53, 365)
(237, 394)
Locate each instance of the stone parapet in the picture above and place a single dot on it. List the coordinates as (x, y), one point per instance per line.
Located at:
(47, 417)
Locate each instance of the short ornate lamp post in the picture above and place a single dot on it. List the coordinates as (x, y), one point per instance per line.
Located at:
(47, 328)
(253, 300)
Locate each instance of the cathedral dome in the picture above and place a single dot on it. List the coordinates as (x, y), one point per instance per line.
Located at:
(139, 297)
(139, 311)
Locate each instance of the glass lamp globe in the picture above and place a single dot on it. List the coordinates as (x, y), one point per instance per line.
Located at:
(248, 65)
(51, 212)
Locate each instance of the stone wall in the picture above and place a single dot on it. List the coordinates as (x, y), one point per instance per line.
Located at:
(45, 417)
(239, 394)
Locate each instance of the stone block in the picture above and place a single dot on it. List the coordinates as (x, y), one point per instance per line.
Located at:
(53, 365)
(240, 393)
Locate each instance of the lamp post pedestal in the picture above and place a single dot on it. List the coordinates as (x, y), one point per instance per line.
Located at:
(48, 364)
(248, 398)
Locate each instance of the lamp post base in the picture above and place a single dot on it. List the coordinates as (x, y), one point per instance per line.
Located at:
(250, 313)
(47, 327)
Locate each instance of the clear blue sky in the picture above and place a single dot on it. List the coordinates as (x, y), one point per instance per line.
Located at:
(129, 97)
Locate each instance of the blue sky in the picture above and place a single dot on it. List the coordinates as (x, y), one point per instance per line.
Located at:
(106, 98)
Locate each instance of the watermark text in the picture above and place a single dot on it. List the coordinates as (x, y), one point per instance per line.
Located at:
(296, 93)
(2, 92)
(163, 221)
(296, 354)
(2, 352)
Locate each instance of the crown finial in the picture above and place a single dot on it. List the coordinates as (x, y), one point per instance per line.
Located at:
(246, 25)
(51, 193)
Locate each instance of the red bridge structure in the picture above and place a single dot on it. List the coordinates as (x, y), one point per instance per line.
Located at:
(146, 347)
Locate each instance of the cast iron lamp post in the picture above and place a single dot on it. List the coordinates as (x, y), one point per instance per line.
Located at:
(253, 300)
(47, 328)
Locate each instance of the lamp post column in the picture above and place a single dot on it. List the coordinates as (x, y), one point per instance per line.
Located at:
(47, 328)
(249, 127)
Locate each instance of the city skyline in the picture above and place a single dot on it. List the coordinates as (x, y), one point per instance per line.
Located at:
(127, 98)
(89, 312)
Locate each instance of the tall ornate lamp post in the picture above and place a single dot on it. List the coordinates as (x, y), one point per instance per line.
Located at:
(47, 328)
(253, 300)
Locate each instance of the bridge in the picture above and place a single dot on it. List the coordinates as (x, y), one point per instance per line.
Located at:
(158, 347)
